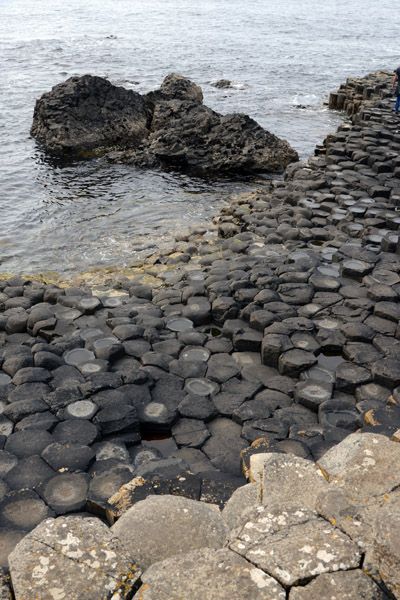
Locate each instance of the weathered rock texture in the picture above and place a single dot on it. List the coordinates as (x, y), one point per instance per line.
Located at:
(88, 113)
(276, 333)
(263, 545)
(169, 126)
(70, 559)
(161, 526)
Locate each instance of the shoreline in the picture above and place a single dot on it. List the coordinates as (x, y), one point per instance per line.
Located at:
(301, 283)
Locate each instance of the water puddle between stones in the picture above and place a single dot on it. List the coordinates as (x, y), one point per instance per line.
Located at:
(330, 360)
(162, 441)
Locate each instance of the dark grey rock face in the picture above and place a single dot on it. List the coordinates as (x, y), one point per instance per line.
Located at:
(169, 126)
(87, 113)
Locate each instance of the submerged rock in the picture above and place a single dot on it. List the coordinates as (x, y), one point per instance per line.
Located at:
(169, 126)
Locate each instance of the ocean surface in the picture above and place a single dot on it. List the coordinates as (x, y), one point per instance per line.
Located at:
(282, 57)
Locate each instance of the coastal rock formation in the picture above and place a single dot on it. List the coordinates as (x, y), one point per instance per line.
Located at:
(284, 537)
(88, 113)
(283, 332)
(169, 126)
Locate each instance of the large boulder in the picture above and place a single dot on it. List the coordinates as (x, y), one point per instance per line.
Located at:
(176, 87)
(169, 126)
(89, 113)
(194, 136)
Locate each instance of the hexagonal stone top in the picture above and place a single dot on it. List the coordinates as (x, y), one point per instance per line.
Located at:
(71, 558)
(162, 526)
(289, 480)
(211, 574)
(293, 544)
(362, 465)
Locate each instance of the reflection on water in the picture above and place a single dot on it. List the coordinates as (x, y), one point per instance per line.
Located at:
(96, 213)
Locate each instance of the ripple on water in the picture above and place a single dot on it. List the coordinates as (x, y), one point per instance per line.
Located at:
(85, 214)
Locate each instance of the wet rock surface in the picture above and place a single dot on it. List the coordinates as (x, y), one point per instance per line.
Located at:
(167, 127)
(239, 346)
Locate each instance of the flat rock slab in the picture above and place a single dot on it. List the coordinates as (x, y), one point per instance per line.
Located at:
(386, 548)
(294, 544)
(243, 498)
(355, 518)
(211, 574)
(362, 465)
(71, 558)
(343, 585)
(291, 480)
(162, 526)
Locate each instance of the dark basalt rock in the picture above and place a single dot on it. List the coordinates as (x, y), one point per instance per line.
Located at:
(88, 113)
(169, 126)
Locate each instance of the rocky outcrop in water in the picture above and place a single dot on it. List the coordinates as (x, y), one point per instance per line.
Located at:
(87, 113)
(169, 126)
(280, 337)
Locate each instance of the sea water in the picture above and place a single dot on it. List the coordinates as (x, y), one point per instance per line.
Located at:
(283, 59)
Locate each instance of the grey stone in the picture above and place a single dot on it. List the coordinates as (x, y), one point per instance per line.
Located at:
(23, 510)
(226, 403)
(28, 473)
(362, 466)
(191, 433)
(273, 345)
(187, 369)
(386, 372)
(358, 332)
(291, 480)
(244, 497)
(31, 375)
(296, 414)
(386, 547)
(65, 492)
(27, 443)
(355, 517)
(109, 114)
(251, 411)
(75, 432)
(197, 407)
(296, 293)
(71, 557)
(270, 428)
(197, 461)
(7, 462)
(224, 446)
(117, 419)
(346, 585)
(9, 538)
(211, 572)
(162, 468)
(73, 457)
(349, 376)
(104, 484)
(305, 341)
(295, 361)
(339, 414)
(222, 367)
(161, 526)
(312, 393)
(293, 544)
(361, 354)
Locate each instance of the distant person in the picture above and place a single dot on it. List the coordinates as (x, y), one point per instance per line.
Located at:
(396, 80)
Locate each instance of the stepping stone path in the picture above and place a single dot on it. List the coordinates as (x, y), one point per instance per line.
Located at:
(276, 332)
